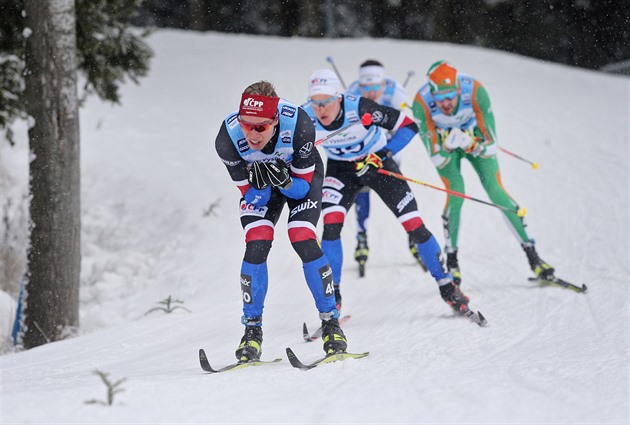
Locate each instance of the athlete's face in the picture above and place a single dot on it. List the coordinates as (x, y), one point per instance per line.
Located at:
(326, 107)
(372, 91)
(258, 130)
(447, 101)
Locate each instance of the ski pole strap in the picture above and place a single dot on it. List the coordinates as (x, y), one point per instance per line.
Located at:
(519, 212)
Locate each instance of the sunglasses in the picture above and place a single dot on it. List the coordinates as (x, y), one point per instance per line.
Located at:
(372, 87)
(322, 103)
(450, 95)
(258, 127)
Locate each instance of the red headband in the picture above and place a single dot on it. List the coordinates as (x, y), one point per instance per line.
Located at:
(255, 105)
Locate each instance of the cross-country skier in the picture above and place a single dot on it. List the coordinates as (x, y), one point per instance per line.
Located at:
(456, 123)
(354, 158)
(373, 84)
(268, 149)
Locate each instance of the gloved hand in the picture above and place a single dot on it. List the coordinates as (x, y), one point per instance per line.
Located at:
(277, 173)
(274, 173)
(372, 161)
(458, 139)
(258, 176)
(258, 197)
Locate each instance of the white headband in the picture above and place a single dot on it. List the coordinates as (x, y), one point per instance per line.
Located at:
(372, 74)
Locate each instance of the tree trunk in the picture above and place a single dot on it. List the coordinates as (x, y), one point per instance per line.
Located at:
(198, 15)
(54, 257)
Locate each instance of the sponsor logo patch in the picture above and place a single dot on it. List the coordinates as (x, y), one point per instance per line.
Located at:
(232, 121)
(288, 111)
(242, 145)
(230, 163)
(246, 288)
(404, 202)
(327, 281)
(377, 116)
(251, 210)
(306, 205)
(305, 150)
(334, 183)
(331, 196)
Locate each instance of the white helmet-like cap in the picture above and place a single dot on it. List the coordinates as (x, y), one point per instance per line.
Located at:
(324, 81)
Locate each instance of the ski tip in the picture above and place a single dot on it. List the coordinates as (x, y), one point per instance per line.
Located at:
(584, 288)
(482, 320)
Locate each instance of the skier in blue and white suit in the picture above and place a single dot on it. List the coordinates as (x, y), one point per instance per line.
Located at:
(375, 85)
(354, 158)
(268, 149)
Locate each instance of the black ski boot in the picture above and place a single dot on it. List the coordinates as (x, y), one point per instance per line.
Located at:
(453, 296)
(361, 252)
(332, 335)
(541, 268)
(452, 267)
(250, 348)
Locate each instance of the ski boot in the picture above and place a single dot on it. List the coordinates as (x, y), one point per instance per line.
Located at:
(361, 252)
(332, 335)
(413, 248)
(541, 268)
(453, 296)
(250, 348)
(452, 267)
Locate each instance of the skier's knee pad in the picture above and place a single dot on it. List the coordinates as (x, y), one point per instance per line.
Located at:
(308, 250)
(256, 252)
(332, 231)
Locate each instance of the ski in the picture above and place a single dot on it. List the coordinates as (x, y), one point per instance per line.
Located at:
(205, 364)
(296, 363)
(318, 333)
(556, 281)
(475, 317)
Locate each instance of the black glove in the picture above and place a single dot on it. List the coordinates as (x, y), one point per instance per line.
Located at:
(258, 176)
(277, 173)
(274, 173)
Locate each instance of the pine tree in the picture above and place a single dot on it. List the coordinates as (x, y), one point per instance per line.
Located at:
(43, 45)
(109, 50)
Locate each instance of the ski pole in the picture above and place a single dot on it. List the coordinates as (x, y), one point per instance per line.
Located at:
(329, 59)
(366, 119)
(410, 74)
(519, 212)
(533, 164)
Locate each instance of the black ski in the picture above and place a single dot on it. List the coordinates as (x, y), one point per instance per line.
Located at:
(318, 333)
(296, 363)
(556, 281)
(205, 365)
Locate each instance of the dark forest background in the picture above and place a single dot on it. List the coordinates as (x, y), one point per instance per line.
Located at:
(585, 33)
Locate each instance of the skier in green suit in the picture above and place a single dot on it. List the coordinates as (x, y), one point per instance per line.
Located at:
(456, 122)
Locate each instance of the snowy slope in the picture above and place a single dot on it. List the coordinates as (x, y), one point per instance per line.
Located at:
(150, 174)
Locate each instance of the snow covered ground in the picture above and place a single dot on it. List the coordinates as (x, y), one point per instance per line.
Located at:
(160, 219)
